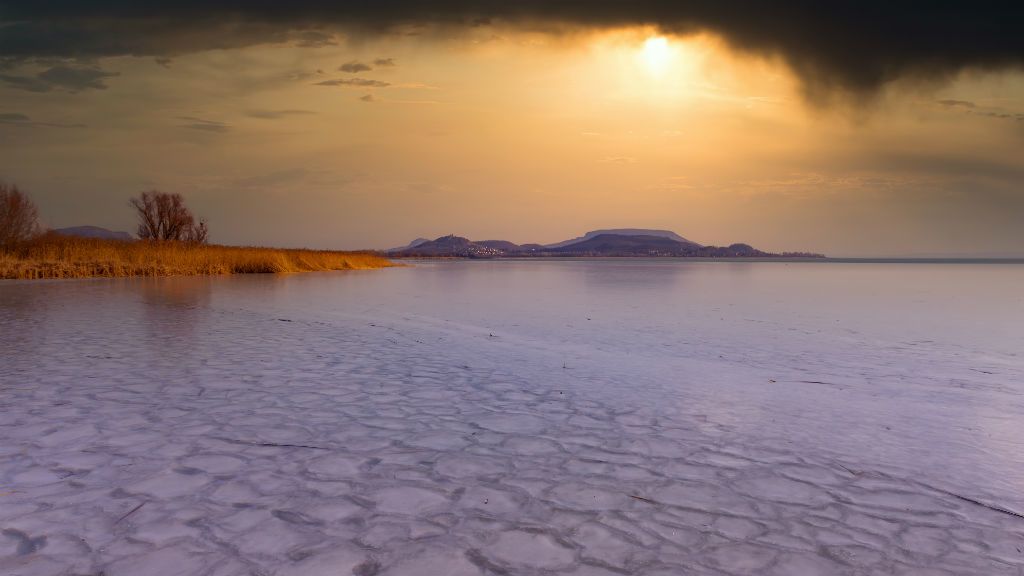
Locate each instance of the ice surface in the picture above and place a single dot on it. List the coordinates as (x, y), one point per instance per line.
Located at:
(535, 418)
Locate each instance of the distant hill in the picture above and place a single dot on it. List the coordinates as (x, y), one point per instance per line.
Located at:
(93, 232)
(449, 246)
(624, 232)
(503, 245)
(627, 245)
(611, 243)
(412, 244)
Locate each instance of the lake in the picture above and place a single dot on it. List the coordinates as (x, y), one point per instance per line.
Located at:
(585, 417)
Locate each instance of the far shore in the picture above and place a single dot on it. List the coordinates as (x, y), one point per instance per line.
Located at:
(55, 256)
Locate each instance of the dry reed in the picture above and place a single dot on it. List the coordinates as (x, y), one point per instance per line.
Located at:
(54, 256)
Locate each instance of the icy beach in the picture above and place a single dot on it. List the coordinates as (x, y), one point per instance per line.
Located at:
(524, 418)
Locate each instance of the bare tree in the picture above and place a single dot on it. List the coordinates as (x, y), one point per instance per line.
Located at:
(19, 218)
(197, 233)
(164, 216)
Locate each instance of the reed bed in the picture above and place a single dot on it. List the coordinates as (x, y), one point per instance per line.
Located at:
(54, 256)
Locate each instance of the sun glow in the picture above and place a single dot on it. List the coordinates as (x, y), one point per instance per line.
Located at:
(657, 54)
(640, 64)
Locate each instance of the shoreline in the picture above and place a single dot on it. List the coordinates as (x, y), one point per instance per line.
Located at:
(53, 257)
(775, 259)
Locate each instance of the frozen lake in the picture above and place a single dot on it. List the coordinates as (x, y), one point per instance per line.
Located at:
(517, 417)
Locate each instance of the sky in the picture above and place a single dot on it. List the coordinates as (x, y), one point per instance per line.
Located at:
(848, 128)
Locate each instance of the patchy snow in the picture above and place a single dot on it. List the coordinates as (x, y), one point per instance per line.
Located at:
(477, 418)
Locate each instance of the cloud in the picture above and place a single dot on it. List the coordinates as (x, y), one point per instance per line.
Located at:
(359, 82)
(314, 39)
(61, 77)
(23, 120)
(13, 118)
(990, 112)
(368, 98)
(957, 103)
(276, 114)
(30, 84)
(163, 61)
(1003, 115)
(854, 46)
(355, 67)
(76, 79)
(300, 75)
(204, 125)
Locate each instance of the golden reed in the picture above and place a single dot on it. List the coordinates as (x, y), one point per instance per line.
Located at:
(55, 256)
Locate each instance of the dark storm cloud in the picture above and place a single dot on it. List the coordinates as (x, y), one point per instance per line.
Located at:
(358, 82)
(853, 45)
(68, 78)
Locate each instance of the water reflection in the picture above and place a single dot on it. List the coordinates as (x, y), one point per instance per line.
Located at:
(174, 311)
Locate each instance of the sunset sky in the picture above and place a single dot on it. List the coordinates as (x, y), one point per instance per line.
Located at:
(853, 132)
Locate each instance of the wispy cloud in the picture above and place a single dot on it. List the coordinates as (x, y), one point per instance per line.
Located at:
(355, 67)
(276, 114)
(1003, 115)
(61, 77)
(194, 123)
(314, 39)
(988, 111)
(24, 121)
(358, 82)
(957, 103)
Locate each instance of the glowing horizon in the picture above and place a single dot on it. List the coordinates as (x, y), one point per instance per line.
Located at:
(501, 132)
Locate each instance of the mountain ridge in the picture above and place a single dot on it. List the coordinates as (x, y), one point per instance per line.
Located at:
(623, 232)
(93, 232)
(620, 242)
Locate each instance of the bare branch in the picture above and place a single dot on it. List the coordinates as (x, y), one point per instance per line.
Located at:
(164, 216)
(19, 218)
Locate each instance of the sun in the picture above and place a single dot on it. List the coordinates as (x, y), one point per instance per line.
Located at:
(657, 54)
